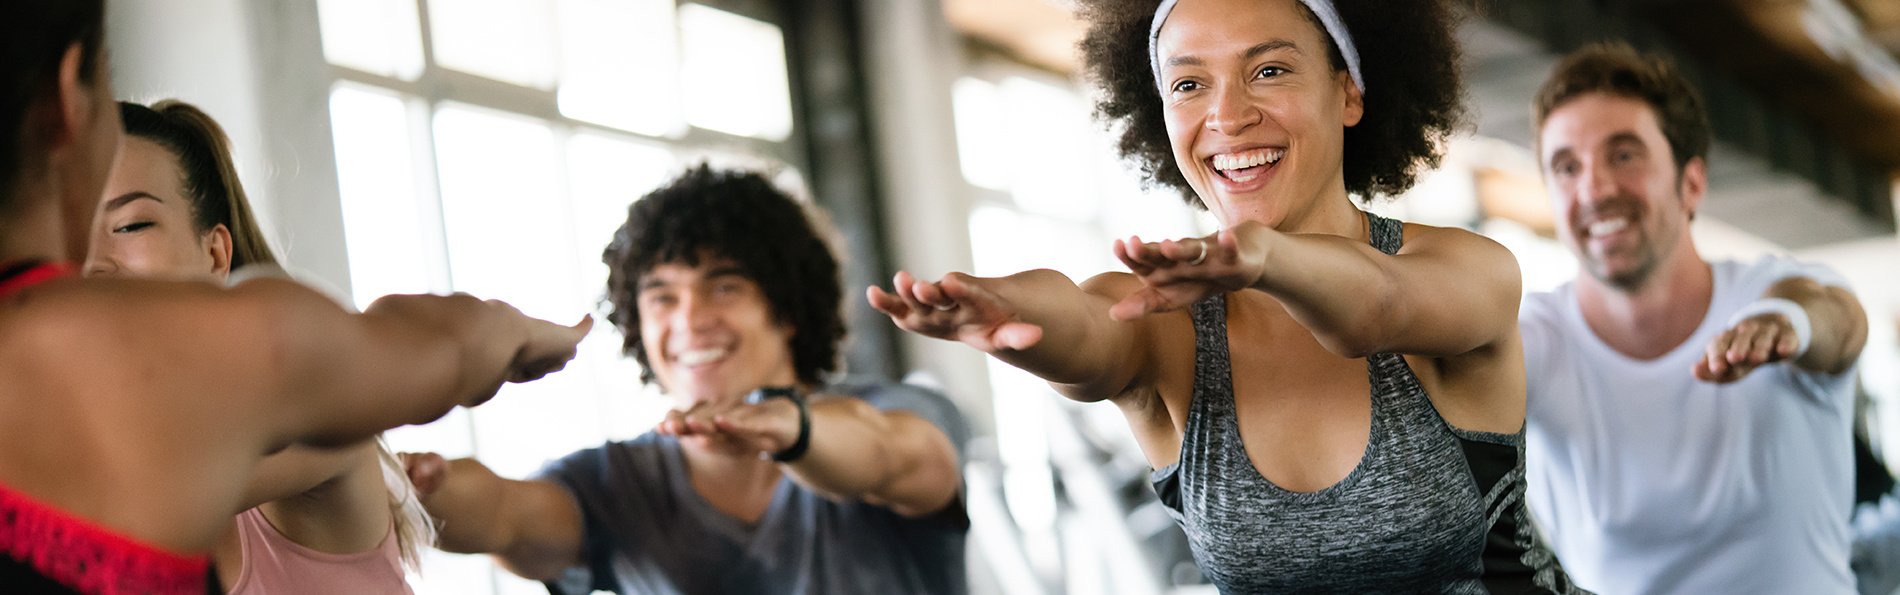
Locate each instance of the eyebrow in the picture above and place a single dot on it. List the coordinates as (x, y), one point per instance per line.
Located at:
(1625, 138)
(1622, 137)
(130, 197)
(652, 282)
(1559, 154)
(1250, 53)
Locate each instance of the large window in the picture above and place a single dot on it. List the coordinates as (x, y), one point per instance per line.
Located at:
(493, 146)
(1050, 193)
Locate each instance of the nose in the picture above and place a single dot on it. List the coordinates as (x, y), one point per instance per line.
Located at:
(100, 267)
(694, 312)
(1233, 111)
(1595, 183)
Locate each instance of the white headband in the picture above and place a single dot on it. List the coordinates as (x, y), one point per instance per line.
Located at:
(1328, 17)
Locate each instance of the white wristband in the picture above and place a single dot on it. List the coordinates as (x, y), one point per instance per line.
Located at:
(1796, 315)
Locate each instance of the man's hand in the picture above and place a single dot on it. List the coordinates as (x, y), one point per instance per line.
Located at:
(766, 428)
(1754, 342)
(548, 348)
(427, 471)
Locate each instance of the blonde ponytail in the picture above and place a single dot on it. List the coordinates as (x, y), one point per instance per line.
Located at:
(210, 173)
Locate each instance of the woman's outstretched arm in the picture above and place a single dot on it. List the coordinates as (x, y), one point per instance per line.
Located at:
(1038, 321)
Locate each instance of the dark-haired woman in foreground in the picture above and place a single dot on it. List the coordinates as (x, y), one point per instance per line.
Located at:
(132, 413)
(1332, 400)
(313, 520)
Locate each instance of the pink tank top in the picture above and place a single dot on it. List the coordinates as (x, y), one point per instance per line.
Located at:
(275, 565)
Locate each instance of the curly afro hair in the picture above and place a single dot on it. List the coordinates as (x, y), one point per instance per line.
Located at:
(737, 215)
(1408, 54)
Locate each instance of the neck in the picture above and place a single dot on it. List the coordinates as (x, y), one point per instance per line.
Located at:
(1331, 214)
(728, 469)
(1653, 318)
(33, 230)
(737, 485)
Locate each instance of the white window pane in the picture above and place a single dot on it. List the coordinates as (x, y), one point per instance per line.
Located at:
(504, 212)
(378, 36)
(444, 573)
(1054, 175)
(510, 237)
(506, 40)
(376, 175)
(507, 583)
(733, 73)
(983, 140)
(605, 176)
(619, 65)
(448, 436)
(527, 425)
(1079, 251)
(1154, 214)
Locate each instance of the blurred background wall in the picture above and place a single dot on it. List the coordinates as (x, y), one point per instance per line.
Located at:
(491, 146)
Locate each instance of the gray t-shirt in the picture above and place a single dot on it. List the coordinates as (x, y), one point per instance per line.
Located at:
(647, 531)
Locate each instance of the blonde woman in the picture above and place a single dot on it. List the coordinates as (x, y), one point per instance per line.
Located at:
(340, 520)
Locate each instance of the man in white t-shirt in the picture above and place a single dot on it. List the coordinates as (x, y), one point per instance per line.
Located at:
(1688, 421)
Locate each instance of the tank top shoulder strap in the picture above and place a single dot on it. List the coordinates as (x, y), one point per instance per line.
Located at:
(1213, 369)
(1387, 234)
(1395, 389)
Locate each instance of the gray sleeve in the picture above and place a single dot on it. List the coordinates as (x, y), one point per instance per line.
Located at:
(581, 475)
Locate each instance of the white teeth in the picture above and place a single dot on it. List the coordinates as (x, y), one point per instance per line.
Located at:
(701, 356)
(1608, 226)
(1246, 159)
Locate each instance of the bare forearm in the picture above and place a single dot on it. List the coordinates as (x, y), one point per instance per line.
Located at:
(405, 360)
(1451, 293)
(1080, 343)
(533, 528)
(1837, 322)
(469, 509)
(298, 469)
(1335, 287)
(475, 341)
(857, 452)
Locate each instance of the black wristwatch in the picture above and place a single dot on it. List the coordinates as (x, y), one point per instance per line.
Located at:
(790, 393)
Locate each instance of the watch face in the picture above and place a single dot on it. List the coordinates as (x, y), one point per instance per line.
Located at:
(771, 392)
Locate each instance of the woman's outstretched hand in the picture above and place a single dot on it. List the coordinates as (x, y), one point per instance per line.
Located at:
(957, 307)
(1177, 273)
(548, 348)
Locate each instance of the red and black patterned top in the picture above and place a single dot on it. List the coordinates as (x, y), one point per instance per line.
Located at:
(46, 550)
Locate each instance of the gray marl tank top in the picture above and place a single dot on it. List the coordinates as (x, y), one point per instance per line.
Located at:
(1429, 508)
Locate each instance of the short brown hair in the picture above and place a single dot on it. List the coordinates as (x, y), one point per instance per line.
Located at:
(1618, 69)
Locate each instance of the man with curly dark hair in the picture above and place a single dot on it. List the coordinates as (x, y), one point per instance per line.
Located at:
(1332, 399)
(1690, 420)
(728, 295)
